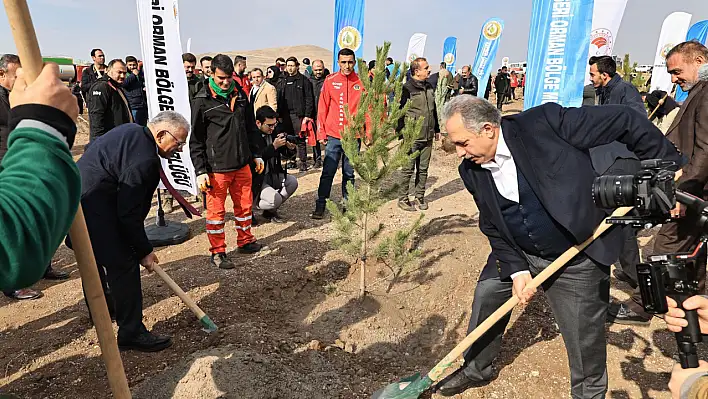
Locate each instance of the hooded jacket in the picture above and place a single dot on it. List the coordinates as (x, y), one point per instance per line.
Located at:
(421, 95)
(222, 132)
(338, 90)
(107, 106)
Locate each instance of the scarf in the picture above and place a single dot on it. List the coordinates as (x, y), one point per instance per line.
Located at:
(221, 92)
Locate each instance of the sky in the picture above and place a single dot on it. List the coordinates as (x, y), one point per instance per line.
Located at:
(73, 27)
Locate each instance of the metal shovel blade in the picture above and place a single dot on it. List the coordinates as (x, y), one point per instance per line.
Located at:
(407, 388)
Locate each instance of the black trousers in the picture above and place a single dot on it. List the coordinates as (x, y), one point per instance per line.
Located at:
(500, 99)
(579, 296)
(124, 296)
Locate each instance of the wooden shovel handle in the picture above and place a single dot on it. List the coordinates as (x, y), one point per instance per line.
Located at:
(179, 292)
(490, 321)
(31, 59)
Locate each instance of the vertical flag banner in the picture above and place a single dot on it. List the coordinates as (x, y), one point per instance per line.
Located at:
(699, 31)
(165, 80)
(189, 45)
(348, 28)
(673, 31)
(487, 51)
(416, 46)
(606, 19)
(559, 39)
(450, 53)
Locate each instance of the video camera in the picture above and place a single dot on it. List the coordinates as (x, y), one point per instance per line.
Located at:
(652, 192)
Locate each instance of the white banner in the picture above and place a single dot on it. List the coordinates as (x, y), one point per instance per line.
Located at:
(416, 46)
(673, 32)
(606, 20)
(165, 80)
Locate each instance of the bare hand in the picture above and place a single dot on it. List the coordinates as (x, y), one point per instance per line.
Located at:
(203, 182)
(260, 165)
(679, 211)
(676, 318)
(519, 288)
(46, 90)
(679, 375)
(149, 261)
(279, 142)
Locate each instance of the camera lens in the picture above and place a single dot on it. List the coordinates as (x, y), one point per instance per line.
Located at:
(614, 191)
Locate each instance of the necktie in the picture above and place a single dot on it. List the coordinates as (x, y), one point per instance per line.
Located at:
(188, 209)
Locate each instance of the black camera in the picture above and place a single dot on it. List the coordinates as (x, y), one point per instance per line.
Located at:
(293, 138)
(652, 191)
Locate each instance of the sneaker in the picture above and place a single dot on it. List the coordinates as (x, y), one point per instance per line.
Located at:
(168, 205)
(422, 205)
(318, 213)
(222, 261)
(303, 167)
(273, 217)
(622, 314)
(250, 248)
(406, 205)
(318, 164)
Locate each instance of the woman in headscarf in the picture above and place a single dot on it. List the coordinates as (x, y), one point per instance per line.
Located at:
(273, 75)
(664, 108)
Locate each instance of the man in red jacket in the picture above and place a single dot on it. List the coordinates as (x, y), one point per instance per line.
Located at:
(240, 75)
(339, 89)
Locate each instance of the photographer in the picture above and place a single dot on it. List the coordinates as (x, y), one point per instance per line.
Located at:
(274, 186)
(688, 383)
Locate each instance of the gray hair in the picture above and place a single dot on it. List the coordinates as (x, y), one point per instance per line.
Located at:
(475, 112)
(7, 59)
(172, 119)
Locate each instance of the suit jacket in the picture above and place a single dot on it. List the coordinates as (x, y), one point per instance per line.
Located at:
(689, 131)
(266, 95)
(550, 147)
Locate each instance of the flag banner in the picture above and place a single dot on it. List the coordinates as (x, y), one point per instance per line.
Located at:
(348, 28)
(673, 31)
(487, 51)
(450, 53)
(559, 39)
(606, 19)
(416, 46)
(699, 31)
(165, 80)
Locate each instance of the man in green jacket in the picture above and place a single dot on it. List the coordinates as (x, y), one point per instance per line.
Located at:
(40, 184)
(421, 96)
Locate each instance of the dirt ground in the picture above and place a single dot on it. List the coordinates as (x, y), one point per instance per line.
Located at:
(290, 325)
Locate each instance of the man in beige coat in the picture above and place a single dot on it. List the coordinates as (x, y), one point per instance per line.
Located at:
(262, 93)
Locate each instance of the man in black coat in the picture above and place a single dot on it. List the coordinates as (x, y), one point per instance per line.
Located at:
(134, 88)
(119, 174)
(530, 175)
(502, 82)
(93, 73)
(107, 104)
(319, 74)
(295, 104)
(468, 83)
(274, 186)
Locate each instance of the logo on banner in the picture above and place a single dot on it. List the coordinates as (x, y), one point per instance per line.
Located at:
(492, 30)
(601, 42)
(665, 50)
(449, 58)
(412, 57)
(505, 61)
(349, 37)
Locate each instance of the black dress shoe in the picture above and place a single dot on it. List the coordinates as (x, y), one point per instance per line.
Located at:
(250, 248)
(456, 383)
(273, 217)
(54, 274)
(622, 314)
(146, 342)
(624, 277)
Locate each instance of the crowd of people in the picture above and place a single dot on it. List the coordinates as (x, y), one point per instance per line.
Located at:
(529, 175)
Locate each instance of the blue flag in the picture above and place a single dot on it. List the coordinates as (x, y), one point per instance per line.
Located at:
(487, 51)
(559, 41)
(348, 28)
(699, 31)
(450, 53)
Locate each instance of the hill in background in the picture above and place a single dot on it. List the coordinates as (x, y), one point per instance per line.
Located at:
(264, 58)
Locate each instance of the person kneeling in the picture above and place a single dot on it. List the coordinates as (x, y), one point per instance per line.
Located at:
(274, 186)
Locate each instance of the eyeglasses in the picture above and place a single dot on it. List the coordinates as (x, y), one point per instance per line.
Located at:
(180, 144)
(271, 125)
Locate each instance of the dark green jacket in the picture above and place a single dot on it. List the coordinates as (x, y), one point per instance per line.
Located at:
(421, 95)
(40, 188)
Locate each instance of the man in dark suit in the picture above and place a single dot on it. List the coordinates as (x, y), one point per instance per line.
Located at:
(688, 65)
(119, 174)
(531, 177)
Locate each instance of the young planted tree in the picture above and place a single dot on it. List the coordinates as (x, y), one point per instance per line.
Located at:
(382, 153)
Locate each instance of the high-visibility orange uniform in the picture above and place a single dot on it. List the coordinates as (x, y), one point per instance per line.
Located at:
(220, 146)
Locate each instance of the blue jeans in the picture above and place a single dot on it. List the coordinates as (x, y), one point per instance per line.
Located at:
(333, 154)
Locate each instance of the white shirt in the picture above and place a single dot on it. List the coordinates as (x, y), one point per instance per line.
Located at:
(505, 176)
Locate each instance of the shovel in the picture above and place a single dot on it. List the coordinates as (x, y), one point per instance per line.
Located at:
(411, 387)
(206, 322)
